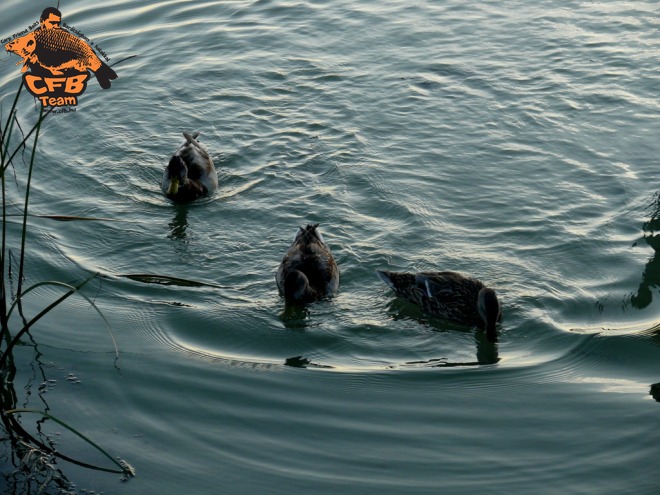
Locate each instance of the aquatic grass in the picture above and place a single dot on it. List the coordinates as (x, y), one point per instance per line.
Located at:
(75, 218)
(123, 467)
(47, 309)
(37, 451)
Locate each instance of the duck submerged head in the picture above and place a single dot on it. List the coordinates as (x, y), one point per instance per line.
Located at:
(489, 310)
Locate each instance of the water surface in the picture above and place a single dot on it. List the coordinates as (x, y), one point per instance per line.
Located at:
(516, 143)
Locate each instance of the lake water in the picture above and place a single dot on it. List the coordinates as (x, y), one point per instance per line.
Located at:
(513, 141)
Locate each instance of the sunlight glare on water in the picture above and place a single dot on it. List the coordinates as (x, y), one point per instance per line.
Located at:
(516, 143)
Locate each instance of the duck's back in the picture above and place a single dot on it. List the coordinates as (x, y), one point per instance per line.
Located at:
(199, 163)
(309, 255)
(318, 264)
(446, 294)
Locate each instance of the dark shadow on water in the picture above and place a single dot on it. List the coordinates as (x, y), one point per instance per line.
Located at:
(179, 233)
(295, 317)
(486, 352)
(151, 278)
(179, 224)
(655, 391)
(651, 274)
(302, 362)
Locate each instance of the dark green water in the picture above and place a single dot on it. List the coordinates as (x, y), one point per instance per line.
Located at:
(516, 143)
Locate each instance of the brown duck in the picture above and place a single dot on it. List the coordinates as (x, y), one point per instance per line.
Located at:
(449, 295)
(190, 173)
(308, 271)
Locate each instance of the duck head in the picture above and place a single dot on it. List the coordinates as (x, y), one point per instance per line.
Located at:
(489, 310)
(296, 286)
(177, 173)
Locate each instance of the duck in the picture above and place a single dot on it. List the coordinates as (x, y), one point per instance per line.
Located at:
(308, 271)
(450, 295)
(190, 174)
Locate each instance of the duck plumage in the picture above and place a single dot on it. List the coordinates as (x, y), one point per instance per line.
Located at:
(308, 271)
(449, 295)
(190, 174)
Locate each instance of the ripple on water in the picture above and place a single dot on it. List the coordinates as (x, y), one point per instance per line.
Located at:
(516, 145)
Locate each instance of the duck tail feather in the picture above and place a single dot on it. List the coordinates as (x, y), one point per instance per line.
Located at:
(385, 277)
(315, 233)
(309, 233)
(191, 137)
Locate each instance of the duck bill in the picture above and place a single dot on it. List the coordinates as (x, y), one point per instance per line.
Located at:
(174, 187)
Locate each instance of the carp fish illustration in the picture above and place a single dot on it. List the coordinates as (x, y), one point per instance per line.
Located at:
(57, 51)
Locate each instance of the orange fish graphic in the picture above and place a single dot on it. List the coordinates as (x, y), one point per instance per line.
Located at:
(57, 51)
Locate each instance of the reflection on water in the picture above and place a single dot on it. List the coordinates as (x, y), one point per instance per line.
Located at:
(421, 147)
(179, 224)
(486, 352)
(35, 465)
(147, 278)
(651, 275)
(303, 362)
(295, 317)
(178, 230)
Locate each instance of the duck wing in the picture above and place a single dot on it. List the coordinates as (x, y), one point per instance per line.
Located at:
(447, 294)
(450, 295)
(320, 267)
(447, 284)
